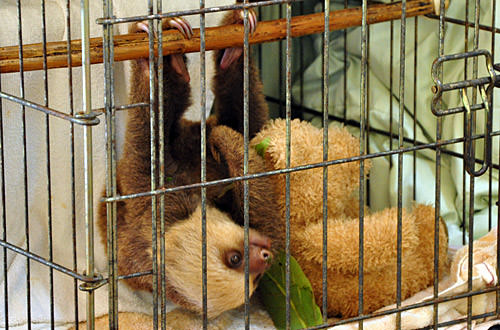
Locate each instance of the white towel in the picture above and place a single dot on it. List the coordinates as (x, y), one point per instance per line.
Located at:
(60, 158)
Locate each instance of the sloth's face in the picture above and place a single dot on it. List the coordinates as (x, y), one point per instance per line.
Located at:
(225, 261)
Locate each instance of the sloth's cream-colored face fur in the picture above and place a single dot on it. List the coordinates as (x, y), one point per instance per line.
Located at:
(183, 261)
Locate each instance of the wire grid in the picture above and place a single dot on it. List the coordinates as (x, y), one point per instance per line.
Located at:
(287, 109)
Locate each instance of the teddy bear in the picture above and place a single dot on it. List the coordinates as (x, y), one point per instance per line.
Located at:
(380, 228)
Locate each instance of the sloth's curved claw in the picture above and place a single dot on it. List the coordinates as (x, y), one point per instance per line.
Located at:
(252, 19)
(180, 24)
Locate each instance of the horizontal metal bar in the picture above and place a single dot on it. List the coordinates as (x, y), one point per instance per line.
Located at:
(455, 110)
(355, 123)
(139, 274)
(124, 107)
(407, 308)
(294, 169)
(463, 23)
(48, 263)
(462, 320)
(463, 84)
(94, 285)
(461, 56)
(80, 119)
(190, 12)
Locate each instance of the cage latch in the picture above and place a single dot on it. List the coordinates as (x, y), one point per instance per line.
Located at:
(93, 284)
(485, 87)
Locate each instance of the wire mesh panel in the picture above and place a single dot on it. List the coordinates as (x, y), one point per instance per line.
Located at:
(364, 170)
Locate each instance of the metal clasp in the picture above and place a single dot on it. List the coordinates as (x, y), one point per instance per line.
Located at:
(95, 283)
(485, 86)
(439, 87)
(470, 150)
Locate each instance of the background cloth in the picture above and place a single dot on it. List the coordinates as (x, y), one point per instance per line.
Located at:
(383, 176)
(60, 159)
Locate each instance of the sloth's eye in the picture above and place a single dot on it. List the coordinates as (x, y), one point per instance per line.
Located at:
(234, 259)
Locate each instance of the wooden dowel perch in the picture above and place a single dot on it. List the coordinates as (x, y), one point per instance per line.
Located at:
(133, 46)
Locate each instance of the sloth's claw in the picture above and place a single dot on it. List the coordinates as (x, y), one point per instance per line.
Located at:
(252, 19)
(231, 55)
(176, 60)
(180, 24)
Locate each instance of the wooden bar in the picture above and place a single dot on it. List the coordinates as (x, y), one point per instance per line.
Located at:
(133, 46)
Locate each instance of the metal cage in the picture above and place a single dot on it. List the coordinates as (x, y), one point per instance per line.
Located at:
(54, 143)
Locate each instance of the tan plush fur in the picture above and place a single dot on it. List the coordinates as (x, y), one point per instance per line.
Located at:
(380, 228)
(307, 148)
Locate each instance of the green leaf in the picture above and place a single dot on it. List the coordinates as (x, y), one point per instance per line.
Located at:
(304, 312)
(262, 147)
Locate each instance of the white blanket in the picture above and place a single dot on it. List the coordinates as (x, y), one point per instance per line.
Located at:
(37, 208)
(484, 275)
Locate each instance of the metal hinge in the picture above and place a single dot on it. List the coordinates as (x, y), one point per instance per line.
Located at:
(485, 87)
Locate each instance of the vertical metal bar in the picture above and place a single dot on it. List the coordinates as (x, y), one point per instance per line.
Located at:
(72, 152)
(326, 58)
(472, 177)
(301, 66)
(437, 197)
(466, 73)
(493, 24)
(4, 217)
(111, 190)
(490, 184)
(25, 164)
(203, 174)
(415, 118)
(466, 38)
(362, 151)
(87, 157)
(288, 108)
(345, 70)
(280, 64)
(161, 138)
(152, 129)
(259, 49)
(246, 220)
(367, 118)
(47, 143)
(391, 89)
(402, 71)
(72, 155)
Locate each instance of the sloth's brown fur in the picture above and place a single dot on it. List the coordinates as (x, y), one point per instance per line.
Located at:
(182, 167)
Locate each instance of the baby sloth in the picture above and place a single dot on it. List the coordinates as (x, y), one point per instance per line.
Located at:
(182, 208)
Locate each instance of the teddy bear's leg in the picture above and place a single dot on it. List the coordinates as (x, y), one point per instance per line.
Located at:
(379, 261)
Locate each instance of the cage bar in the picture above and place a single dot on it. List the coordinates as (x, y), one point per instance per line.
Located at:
(402, 73)
(325, 82)
(111, 187)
